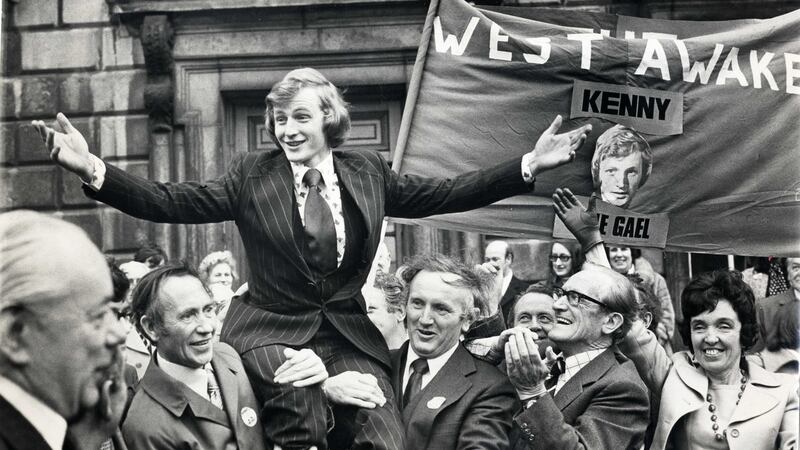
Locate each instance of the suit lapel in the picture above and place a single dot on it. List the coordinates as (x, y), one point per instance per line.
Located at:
(398, 358)
(363, 188)
(176, 397)
(759, 395)
(446, 388)
(229, 386)
(588, 375)
(14, 428)
(273, 189)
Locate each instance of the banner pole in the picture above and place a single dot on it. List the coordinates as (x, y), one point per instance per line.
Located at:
(413, 87)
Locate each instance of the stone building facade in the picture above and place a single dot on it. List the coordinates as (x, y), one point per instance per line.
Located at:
(172, 89)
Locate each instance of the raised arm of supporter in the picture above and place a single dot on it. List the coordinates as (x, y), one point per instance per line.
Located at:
(68, 149)
(354, 388)
(302, 368)
(552, 150)
(100, 417)
(652, 362)
(582, 223)
(495, 284)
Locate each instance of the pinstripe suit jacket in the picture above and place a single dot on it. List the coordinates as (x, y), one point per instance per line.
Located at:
(284, 304)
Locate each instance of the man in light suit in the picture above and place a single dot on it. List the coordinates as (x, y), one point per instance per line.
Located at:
(60, 341)
(309, 264)
(195, 393)
(458, 400)
(500, 255)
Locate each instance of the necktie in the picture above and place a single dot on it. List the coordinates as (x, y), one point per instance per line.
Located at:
(776, 280)
(320, 230)
(418, 368)
(558, 368)
(214, 395)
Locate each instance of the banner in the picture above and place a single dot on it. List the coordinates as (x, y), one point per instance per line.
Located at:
(696, 124)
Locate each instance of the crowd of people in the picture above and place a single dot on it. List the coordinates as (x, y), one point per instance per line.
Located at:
(321, 348)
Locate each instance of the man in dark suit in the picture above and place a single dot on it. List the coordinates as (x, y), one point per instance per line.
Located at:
(60, 341)
(308, 263)
(449, 398)
(500, 255)
(195, 393)
(594, 398)
(769, 309)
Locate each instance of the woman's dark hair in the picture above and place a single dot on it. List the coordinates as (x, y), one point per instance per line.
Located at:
(785, 333)
(120, 282)
(706, 290)
(576, 254)
(150, 254)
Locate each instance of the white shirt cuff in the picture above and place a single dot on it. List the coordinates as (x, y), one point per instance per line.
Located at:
(99, 174)
(526, 168)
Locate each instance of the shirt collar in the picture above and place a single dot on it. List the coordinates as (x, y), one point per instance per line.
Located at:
(44, 419)
(196, 379)
(325, 167)
(797, 294)
(434, 364)
(578, 361)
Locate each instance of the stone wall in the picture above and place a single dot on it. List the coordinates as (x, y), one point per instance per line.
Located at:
(76, 57)
(67, 56)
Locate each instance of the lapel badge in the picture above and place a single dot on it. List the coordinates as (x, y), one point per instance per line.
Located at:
(435, 402)
(249, 416)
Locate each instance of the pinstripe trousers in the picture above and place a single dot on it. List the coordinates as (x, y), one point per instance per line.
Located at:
(297, 418)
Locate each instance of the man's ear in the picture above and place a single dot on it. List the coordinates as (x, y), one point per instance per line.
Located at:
(647, 318)
(612, 322)
(400, 315)
(14, 332)
(150, 328)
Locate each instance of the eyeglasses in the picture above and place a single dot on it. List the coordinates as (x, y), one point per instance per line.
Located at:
(574, 298)
(565, 258)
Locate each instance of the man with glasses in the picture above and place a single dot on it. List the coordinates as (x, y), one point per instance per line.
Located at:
(594, 398)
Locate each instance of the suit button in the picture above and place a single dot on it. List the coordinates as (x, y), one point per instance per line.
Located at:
(734, 433)
(525, 425)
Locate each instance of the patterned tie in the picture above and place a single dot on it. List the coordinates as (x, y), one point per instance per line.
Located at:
(418, 369)
(214, 395)
(320, 229)
(776, 280)
(558, 368)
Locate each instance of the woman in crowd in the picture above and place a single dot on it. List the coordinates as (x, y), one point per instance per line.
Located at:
(218, 270)
(711, 397)
(566, 258)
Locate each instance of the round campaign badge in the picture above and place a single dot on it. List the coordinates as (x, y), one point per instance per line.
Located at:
(249, 416)
(435, 402)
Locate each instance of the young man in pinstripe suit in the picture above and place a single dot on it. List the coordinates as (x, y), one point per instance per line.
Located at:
(299, 296)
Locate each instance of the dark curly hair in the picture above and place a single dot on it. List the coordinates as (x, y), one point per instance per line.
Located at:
(706, 290)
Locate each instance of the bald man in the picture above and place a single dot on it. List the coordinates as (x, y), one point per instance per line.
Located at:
(500, 255)
(60, 340)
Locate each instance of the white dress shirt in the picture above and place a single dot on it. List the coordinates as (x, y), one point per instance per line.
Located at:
(434, 365)
(574, 363)
(330, 192)
(196, 379)
(44, 419)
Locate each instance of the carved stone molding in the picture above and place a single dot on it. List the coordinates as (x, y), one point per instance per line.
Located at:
(159, 94)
